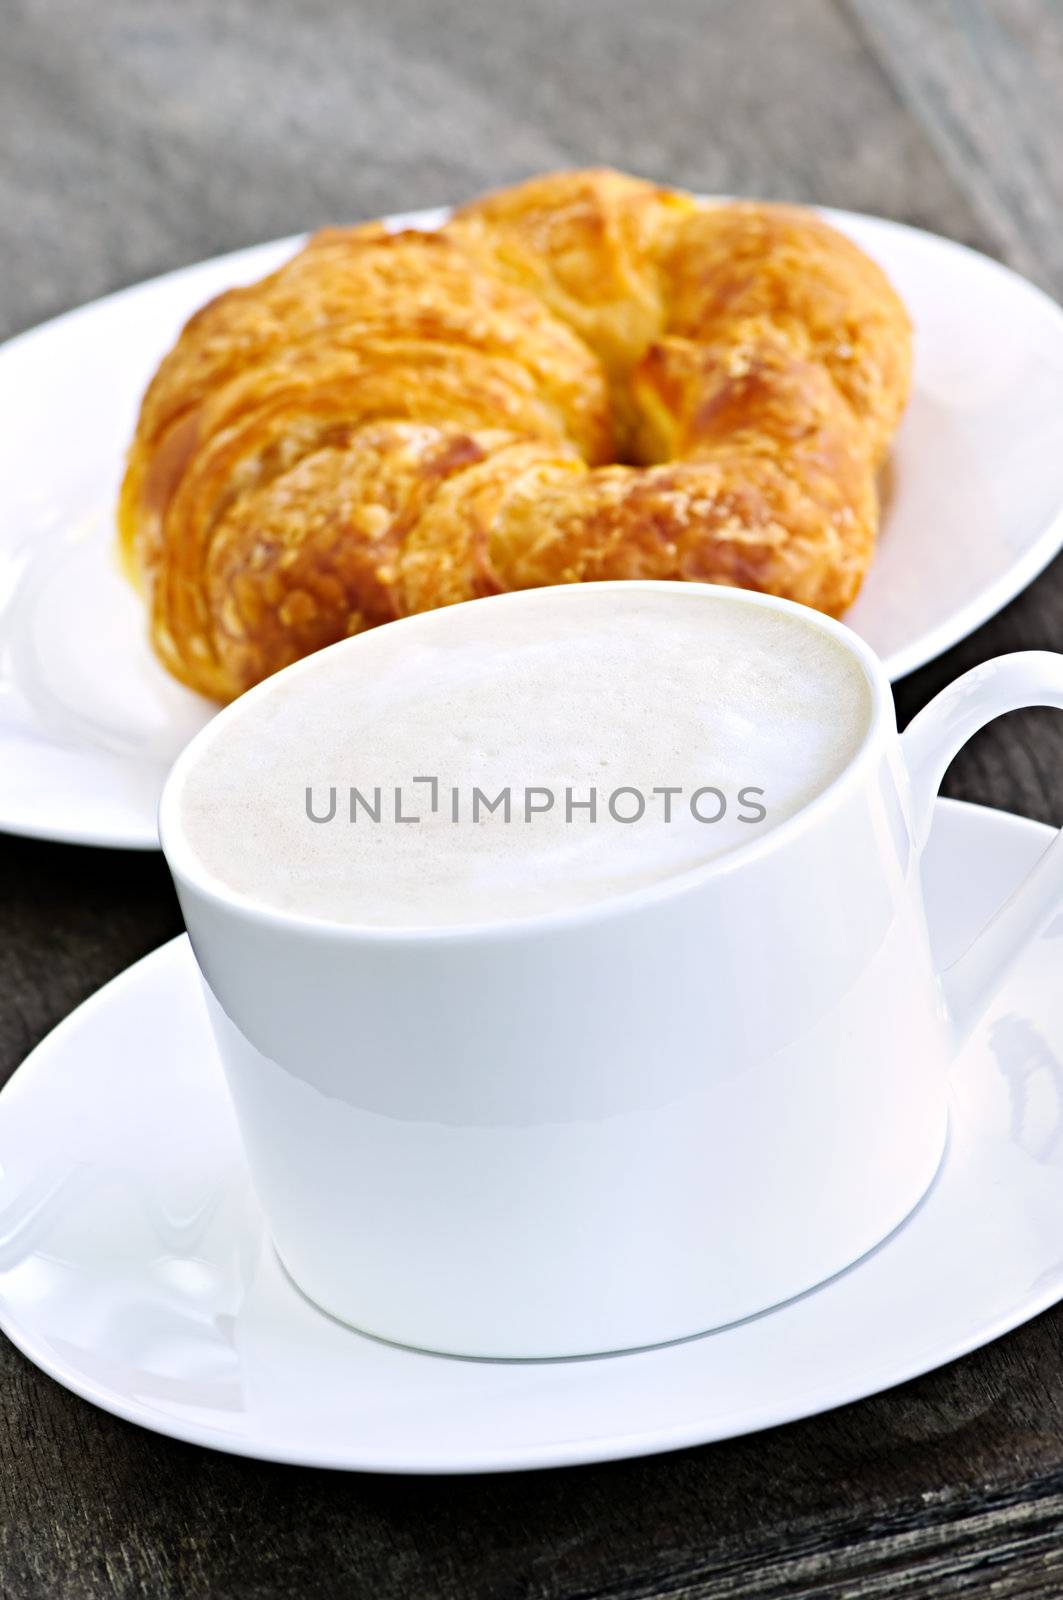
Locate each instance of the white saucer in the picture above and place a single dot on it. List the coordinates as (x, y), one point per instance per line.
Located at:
(89, 722)
(135, 1269)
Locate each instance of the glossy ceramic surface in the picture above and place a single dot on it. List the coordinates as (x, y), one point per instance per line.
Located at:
(136, 1269)
(89, 722)
(630, 1121)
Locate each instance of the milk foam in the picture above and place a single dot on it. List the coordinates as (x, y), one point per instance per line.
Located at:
(562, 691)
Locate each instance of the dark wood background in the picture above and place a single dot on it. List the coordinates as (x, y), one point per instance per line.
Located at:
(139, 135)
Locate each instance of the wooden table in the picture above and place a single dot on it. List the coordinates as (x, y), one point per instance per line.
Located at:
(144, 135)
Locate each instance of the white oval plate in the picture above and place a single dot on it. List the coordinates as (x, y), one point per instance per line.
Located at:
(135, 1267)
(89, 721)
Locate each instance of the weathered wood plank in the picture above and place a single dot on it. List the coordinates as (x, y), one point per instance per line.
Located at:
(161, 134)
(984, 79)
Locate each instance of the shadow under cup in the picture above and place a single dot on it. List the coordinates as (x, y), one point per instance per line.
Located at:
(600, 1128)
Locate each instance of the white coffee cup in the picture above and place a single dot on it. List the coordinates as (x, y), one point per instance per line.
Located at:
(632, 1121)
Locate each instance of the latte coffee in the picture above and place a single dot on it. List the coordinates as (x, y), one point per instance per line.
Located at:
(528, 754)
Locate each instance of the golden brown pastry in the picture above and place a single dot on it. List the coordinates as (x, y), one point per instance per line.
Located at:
(582, 377)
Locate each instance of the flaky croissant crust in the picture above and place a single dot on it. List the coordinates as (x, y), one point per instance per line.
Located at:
(582, 377)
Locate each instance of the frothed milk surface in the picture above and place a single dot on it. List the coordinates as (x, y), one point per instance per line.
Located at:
(560, 693)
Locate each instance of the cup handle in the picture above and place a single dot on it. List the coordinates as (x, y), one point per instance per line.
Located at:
(1028, 678)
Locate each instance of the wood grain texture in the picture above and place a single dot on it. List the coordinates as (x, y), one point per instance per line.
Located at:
(162, 134)
(982, 78)
(154, 135)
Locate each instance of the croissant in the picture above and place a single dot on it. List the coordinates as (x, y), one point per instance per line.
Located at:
(583, 377)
